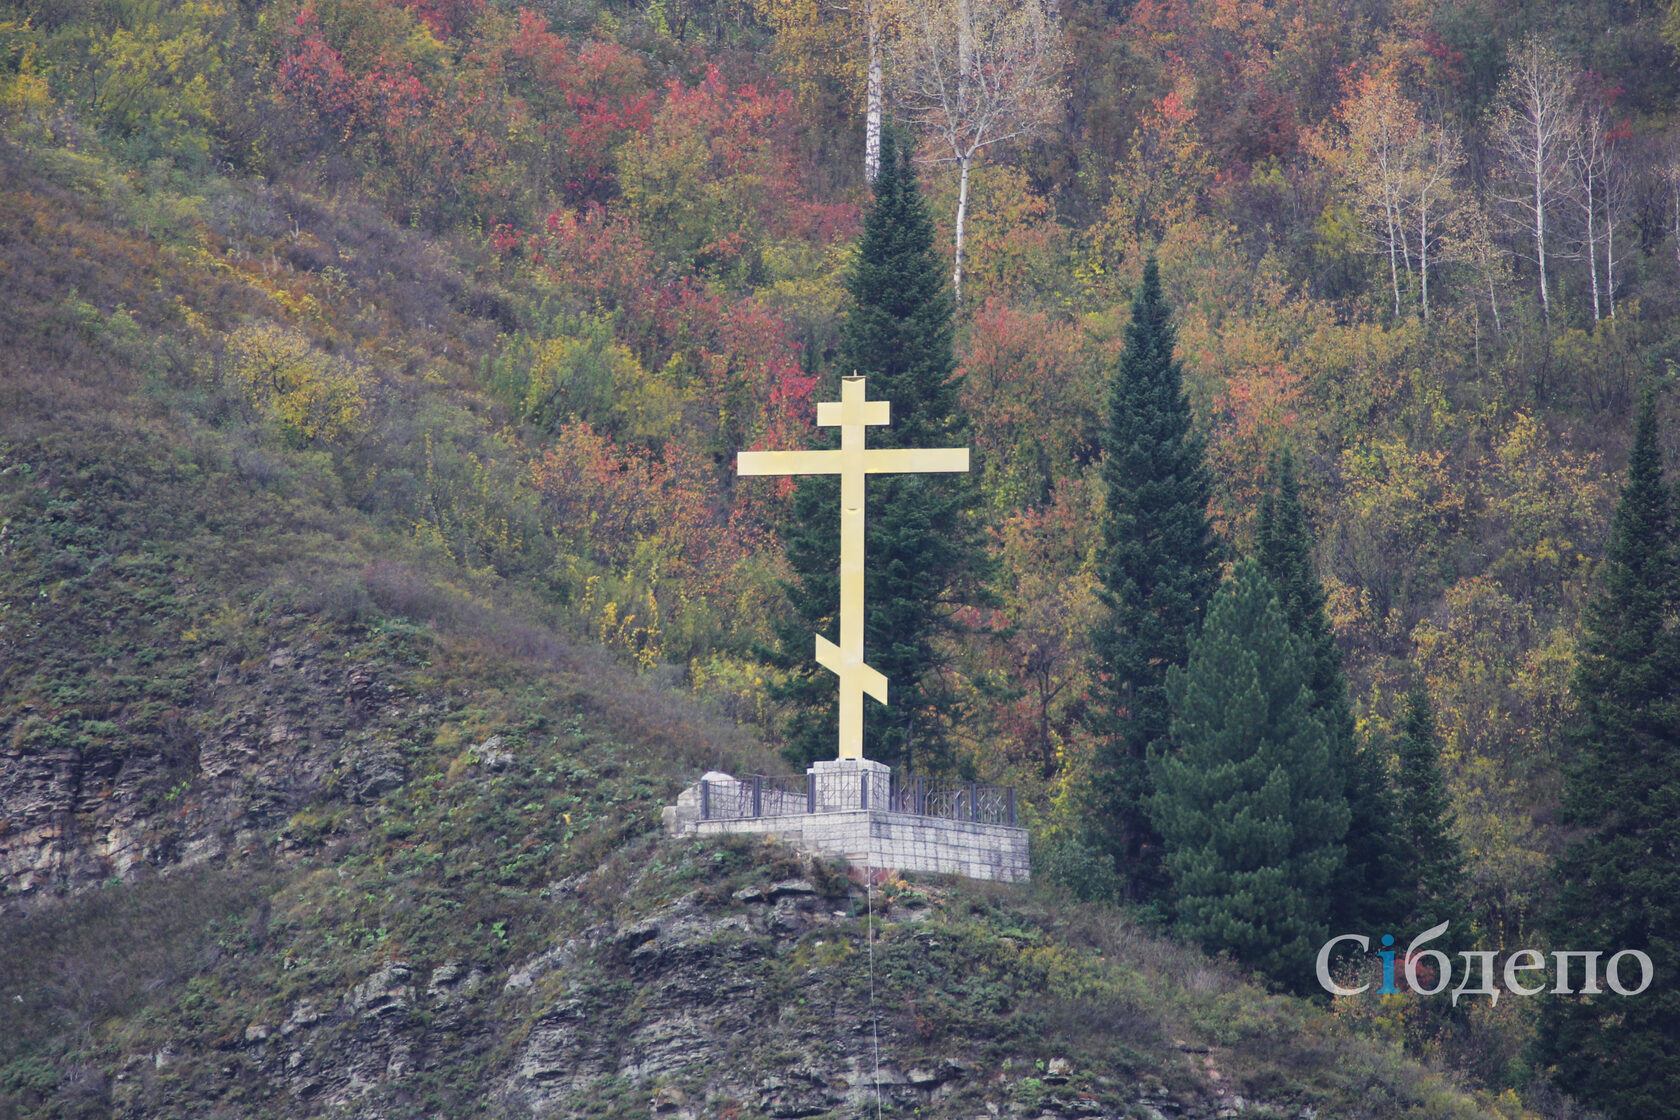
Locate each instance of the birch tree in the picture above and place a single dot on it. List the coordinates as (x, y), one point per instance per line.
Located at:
(1598, 192)
(1404, 178)
(973, 73)
(874, 93)
(1531, 131)
(1382, 138)
(820, 38)
(1615, 205)
(1446, 221)
(1671, 180)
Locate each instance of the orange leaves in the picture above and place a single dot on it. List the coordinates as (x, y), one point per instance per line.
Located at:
(596, 260)
(1257, 401)
(732, 363)
(716, 176)
(741, 360)
(446, 18)
(367, 79)
(313, 75)
(622, 500)
(1014, 247)
(652, 528)
(549, 57)
(1159, 186)
(445, 100)
(611, 105)
(1252, 417)
(1039, 660)
(1031, 391)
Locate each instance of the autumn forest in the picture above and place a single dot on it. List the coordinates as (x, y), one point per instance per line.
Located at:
(498, 290)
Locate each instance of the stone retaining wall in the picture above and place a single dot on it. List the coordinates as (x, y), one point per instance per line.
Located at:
(904, 841)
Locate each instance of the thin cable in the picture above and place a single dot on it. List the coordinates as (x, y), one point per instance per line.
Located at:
(874, 1021)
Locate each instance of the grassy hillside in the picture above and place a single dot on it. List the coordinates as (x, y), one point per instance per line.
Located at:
(307, 817)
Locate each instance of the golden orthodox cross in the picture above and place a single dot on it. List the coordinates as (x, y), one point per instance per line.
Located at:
(852, 413)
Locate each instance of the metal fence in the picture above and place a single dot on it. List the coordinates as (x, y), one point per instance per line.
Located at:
(754, 796)
(759, 795)
(962, 801)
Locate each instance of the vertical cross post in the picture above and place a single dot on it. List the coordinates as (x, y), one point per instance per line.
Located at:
(852, 413)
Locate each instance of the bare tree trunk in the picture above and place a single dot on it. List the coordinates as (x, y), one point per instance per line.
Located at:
(975, 73)
(1589, 206)
(1615, 195)
(1484, 261)
(1592, 267)
(1423, 256)
(1540, 230)
(1393, 262)
(873, 98)
(1597, 187)
(1477, 309)
(1674, 195)
(1535, 131)
(1610, 260)
(962, 221)
(965, 52)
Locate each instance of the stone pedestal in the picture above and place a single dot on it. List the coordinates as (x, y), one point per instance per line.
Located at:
(847, 810)
(851, 783)
(903, 841)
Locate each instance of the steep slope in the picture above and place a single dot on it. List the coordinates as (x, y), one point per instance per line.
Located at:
(305, 816)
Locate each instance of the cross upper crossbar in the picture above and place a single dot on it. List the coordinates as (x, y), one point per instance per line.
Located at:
(852, 413)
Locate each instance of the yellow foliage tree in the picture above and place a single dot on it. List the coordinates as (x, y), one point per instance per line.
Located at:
(817, 45)
(156, 79)
(25, 100)
(309, 396)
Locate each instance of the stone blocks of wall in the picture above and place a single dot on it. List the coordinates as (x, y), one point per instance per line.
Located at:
(903, 841)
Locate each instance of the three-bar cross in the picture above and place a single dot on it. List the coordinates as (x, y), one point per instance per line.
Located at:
(852, 413)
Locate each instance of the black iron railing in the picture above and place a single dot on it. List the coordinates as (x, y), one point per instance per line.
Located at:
(758, 795)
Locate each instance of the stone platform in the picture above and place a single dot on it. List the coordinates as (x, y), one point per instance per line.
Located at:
(849, 808)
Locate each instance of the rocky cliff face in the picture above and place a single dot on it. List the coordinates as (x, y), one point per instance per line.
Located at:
(295, 727)
(155, 711)
(755, 1003)
(757, 993)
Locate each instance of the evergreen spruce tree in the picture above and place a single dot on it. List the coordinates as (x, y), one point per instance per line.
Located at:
(1620, 883)
(1431, 864)
(924, 555)
(1158, 568)
(1249, 810)
(1367, 891)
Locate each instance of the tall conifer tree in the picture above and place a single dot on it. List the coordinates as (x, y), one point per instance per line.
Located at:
(1620, 883)
(1366, 891)
(1158, 568)
(1431, 865)
(1248, 807)
(924, 556)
